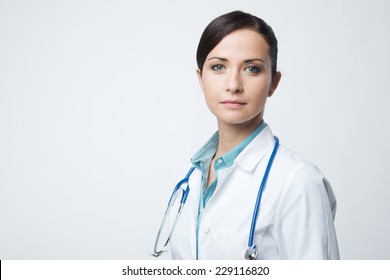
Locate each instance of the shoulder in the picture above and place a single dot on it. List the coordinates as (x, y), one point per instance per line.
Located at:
(295, 167)
(304, 182)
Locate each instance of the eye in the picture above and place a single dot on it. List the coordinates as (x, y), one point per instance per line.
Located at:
(253, 69)
(217, 67)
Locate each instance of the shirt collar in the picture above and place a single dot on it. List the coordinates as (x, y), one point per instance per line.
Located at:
(207, 151)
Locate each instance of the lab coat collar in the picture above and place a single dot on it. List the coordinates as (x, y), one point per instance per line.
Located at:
(256, 150)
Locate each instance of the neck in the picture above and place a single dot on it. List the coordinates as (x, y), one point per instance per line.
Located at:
(231, 135)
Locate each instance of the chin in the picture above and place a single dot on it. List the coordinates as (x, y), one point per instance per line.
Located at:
(237, 119)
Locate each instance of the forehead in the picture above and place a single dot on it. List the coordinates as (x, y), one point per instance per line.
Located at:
(241, 44)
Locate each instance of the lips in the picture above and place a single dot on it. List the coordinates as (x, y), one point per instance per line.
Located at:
(233, 103)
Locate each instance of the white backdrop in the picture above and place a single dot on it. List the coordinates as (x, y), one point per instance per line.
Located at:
(100, 108)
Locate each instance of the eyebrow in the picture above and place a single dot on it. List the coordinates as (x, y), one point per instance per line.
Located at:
(219, 58)
(246, 61)
(254, 59)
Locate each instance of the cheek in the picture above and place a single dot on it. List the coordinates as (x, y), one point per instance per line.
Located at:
(210, 98)
(258, 93)
(211, 87)
(262, 85)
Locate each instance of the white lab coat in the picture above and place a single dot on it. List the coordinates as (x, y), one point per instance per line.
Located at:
(295, 219)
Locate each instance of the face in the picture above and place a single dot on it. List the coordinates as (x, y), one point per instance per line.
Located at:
(237, 79)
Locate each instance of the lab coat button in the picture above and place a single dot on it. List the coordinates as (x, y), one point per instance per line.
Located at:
(206, 228)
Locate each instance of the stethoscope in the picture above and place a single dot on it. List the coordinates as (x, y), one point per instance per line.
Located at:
(251, 252)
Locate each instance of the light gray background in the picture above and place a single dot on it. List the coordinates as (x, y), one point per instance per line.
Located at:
(100, 109)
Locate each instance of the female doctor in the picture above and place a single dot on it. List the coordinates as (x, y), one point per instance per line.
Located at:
(237, 72)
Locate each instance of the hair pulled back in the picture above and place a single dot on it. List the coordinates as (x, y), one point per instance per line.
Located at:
(225, 24)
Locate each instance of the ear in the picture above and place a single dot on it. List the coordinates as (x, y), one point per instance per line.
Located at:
(199, 74)
(275, 83)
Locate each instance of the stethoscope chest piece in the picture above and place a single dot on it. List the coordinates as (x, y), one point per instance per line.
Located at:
(251, 253)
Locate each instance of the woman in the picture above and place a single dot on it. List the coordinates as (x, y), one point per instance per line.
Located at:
(237, 71)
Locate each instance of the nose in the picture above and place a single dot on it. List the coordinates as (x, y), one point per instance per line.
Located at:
(234, 83)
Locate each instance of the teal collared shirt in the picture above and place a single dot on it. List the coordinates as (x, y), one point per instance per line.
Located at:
(202, 160)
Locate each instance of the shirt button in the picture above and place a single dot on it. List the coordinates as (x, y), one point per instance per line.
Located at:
(219, 160)
(206, 228)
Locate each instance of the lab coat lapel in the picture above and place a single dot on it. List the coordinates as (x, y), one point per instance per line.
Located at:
(249, 157)
(256, 150)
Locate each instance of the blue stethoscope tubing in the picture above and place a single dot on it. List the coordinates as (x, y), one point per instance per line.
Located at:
(251, 251)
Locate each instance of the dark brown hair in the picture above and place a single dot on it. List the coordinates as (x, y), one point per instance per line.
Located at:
(225, 24)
